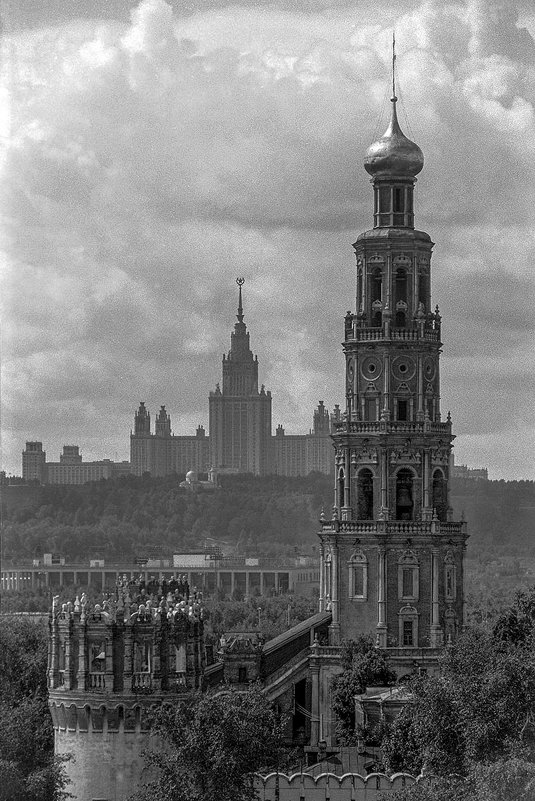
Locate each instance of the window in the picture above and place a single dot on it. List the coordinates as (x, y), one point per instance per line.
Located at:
(403, 409)
(358, 581)
(408, 582)
(377, 285)
(143, 657)
(365, 495)
(404, 499)
(450, 577)
(370, 409)
(399, 199)
(242, 674)
(97, 657)
(408, 577)
(440, 495)
(408, 627)
(385, 195)
(358, 576)
(180, 658)
(408, 634)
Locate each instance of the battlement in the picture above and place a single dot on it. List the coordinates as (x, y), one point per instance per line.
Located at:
(127, 647)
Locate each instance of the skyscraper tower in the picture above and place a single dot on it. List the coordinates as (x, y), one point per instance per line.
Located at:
(392, 559)
(240, 415)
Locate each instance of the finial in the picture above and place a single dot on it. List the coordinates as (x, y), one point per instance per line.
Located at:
(240, 282)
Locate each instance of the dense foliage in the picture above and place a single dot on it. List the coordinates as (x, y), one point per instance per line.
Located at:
(127, 517)
(477, 717)
(124, 517)
(213, 745)
(28, 771)
(362, 665)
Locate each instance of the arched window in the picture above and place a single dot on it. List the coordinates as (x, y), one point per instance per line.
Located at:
(377, 285)
(440, 497)
(450, 577)
(450, 624)
(358, 576)
(341, 488)
(408, 627)
(423, 284)
(365, 495)
(408, 577)
(328, 577)
(401, 285)
(377, 319)
(401, 319)
(404, 495)
(143, 657)
(359, 289)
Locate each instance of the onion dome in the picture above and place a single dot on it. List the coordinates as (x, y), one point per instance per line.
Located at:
(393, 154)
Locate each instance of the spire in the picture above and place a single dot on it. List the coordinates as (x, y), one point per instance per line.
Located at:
(240, 282)
(393, 98)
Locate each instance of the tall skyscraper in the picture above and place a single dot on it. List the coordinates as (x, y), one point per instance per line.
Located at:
(240, 414)
(392, 559)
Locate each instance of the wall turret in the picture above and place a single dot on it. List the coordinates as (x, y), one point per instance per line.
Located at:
(108, 664)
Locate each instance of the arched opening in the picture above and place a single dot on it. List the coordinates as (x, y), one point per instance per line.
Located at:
(370, 408)
(377, 319)
(440, 496)
(401, 319)
(377, 285)
(401, 286)
(423, 291)
(365, 495)
(341, 488)
(359, 290)
(404, 495)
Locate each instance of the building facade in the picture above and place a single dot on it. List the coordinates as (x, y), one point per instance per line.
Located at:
(34, 462)
(240, 413)
(162, 453)
(301, 454)
(71, 469)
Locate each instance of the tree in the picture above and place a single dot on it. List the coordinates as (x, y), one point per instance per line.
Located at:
(28, 769)
(213, 743)
(362, 665)
(477, 710)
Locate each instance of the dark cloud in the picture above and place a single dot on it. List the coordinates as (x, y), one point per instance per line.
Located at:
(153, 160)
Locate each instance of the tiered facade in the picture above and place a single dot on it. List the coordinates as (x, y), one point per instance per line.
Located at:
(240, 413)
(392, 559)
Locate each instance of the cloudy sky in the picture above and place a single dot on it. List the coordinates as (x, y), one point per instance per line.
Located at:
(154, 152)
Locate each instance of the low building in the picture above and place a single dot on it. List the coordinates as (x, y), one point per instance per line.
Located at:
(71, 469)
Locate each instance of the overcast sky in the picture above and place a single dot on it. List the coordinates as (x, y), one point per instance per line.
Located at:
(155, 152)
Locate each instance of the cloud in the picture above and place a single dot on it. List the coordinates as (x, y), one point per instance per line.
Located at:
(153, 160)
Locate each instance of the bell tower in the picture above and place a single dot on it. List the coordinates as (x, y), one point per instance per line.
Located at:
(392, 558)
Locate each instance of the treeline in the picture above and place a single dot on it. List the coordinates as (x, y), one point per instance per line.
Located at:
(471, 725)
(133, 516)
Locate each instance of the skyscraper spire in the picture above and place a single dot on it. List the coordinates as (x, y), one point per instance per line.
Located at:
(240, 282)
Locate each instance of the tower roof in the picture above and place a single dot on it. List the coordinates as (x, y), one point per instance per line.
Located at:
(394, 155)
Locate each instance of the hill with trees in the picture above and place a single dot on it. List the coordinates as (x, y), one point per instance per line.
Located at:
(121, 518)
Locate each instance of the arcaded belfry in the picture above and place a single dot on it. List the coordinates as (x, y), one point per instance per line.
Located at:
(392, 559)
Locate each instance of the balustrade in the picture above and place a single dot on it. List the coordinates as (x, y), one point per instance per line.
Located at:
(141, 681)
(96, 681)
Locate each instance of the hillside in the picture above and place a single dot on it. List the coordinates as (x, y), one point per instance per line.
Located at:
(130, 516)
